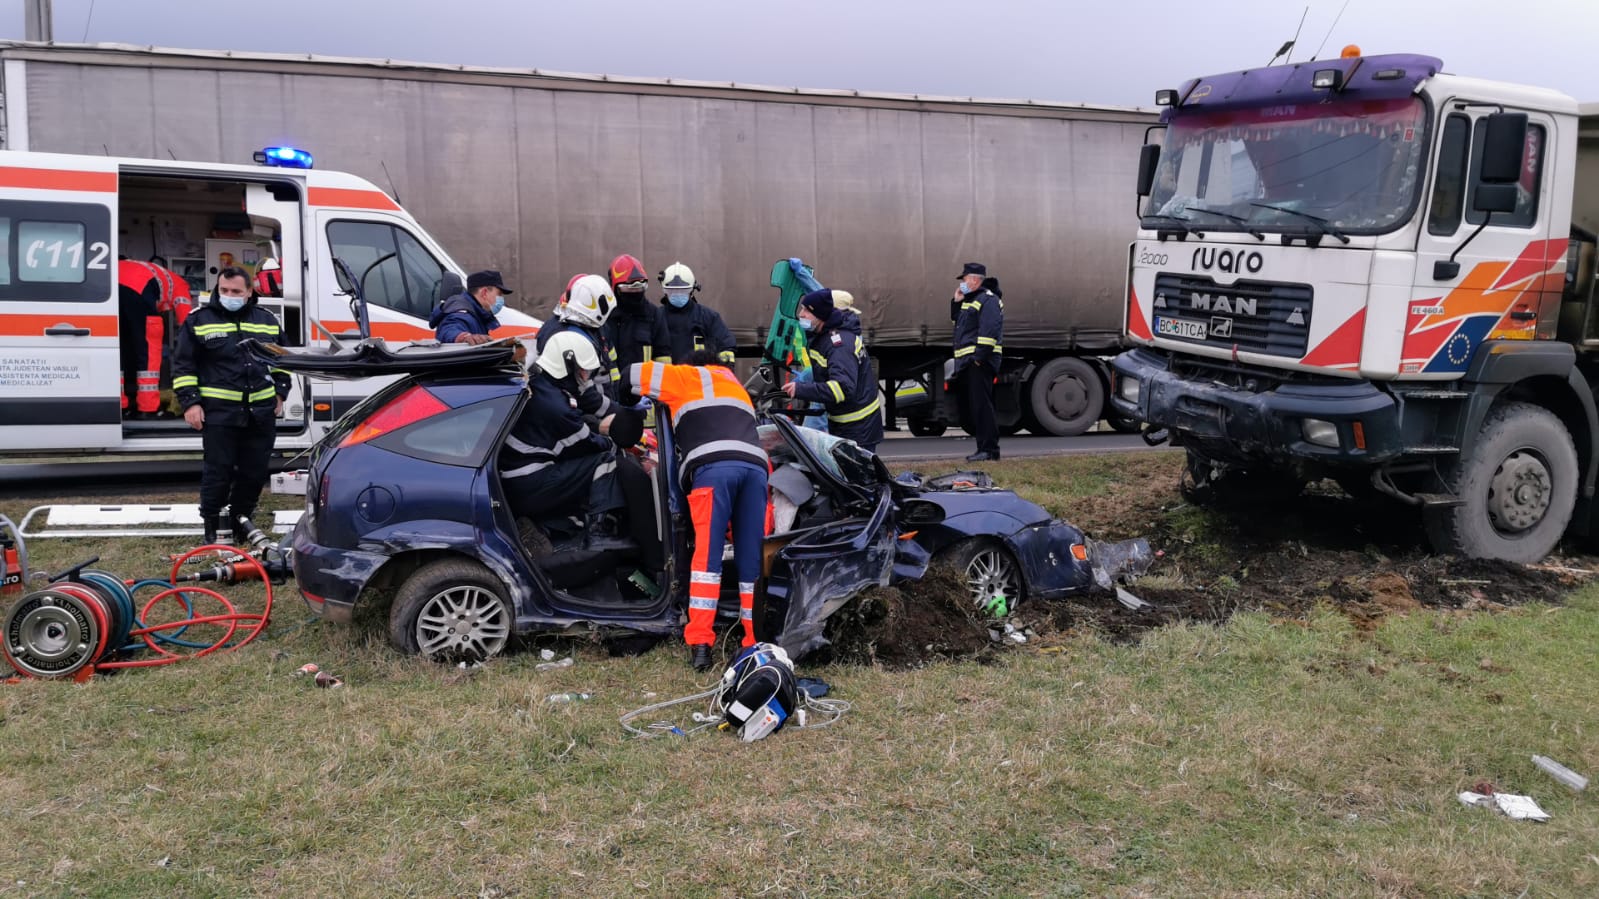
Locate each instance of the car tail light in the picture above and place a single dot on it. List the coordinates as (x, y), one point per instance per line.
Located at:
(408, 408)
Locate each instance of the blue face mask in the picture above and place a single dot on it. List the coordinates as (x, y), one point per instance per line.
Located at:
(233, 304)
(499, 303)
(678, 300)
(807, 324)
(965, 288)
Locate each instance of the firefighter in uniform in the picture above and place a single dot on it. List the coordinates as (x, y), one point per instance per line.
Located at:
(636, 331)
(231, 397)
(583, 309)
(841, 373)
(690, 324)
(146, 294)
(554, 465)
(979, 317)
(724, 471)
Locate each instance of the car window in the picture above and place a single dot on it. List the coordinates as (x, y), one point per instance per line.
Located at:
(460, 437)
(406, 281)
(55, 251)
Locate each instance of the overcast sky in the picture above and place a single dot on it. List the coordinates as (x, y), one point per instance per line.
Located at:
(1115, 52)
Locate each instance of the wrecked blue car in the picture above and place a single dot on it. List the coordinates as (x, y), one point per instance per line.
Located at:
(404, 496)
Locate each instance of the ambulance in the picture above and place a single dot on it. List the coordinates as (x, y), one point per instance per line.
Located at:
(66, 220)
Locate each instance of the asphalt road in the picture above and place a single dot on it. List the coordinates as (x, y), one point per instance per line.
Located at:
(125, 477)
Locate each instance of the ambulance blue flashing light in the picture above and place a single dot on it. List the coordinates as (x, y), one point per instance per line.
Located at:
(284, 157)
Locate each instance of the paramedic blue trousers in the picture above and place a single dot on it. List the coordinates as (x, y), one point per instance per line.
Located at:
(725, 493)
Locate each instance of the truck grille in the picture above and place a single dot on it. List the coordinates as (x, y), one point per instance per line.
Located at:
(1257, 316)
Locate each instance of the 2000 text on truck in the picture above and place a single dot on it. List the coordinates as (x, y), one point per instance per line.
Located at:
(1367, 269)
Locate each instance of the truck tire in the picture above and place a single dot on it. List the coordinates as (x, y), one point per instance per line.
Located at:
(926, 427)
(1066, 397)
(1517, 489)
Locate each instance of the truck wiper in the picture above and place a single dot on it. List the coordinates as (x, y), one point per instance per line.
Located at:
(1181, 220)
(1238, 219)
(1321, 224)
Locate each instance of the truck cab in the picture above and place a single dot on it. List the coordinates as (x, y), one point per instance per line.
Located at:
(1356, 268)
(66, 220)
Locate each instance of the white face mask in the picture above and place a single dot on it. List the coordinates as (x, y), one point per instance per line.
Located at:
(233, 304)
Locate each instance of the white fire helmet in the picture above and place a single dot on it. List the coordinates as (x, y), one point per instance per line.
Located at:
(567, 350)
(589, 301)
(678, 277)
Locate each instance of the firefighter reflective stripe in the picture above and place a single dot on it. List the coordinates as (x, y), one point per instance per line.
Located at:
(526, 470)
(217, 328)
(258, 328)
(870, 409)
(837, 390)
(721, 446)
(965, 351)
(988, 341)
(185, 381)
(727, 356)
(970, 305)
(265, 393)
(222, 393)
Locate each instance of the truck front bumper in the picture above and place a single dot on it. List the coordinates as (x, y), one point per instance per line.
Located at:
(1262, 420)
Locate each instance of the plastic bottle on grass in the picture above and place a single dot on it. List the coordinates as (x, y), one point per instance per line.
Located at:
(562, 698)
(1560, 772)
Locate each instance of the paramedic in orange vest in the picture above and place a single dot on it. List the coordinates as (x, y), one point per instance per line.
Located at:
(145, 292)
(723, 470)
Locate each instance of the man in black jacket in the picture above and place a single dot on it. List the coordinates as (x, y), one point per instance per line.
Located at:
(841, 373)
(692, 325)
(979, 316)
(637, 329)
(232, 397)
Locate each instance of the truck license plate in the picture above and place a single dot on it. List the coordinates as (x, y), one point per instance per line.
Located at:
(1180, 327)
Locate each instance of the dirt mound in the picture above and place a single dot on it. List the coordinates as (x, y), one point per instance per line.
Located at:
(909, 624)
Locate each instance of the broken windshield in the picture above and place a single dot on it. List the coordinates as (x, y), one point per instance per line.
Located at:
(1354, 165)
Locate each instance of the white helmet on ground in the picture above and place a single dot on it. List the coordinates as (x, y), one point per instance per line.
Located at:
(589, 301)
(566, 351)
(678, 277)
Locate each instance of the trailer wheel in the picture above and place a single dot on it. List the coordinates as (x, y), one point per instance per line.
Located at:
(1517, 489)
(926, 427)
(1066, 397)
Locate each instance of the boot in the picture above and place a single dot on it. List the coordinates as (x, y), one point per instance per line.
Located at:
(699, 655)
(210, 522)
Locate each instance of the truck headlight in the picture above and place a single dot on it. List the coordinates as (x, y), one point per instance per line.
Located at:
(1321, 433)
(1127, 389)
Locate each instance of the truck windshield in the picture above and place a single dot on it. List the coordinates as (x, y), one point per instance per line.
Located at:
(1350, 167)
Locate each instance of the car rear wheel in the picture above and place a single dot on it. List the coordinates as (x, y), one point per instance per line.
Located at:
(993, 579)
(451, 610)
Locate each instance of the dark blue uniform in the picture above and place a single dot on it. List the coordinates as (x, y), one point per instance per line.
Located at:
(594, 399)
(842, 382)
(697, 327)
(459, 315)
(979, 333)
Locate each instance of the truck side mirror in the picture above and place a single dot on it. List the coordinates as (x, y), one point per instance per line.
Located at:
(1148, 159)
(1502, 148)
(1494, 198)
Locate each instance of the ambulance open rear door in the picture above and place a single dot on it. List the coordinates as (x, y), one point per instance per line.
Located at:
(59, 365)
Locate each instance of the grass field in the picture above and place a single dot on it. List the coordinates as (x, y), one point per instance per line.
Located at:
(1300, 751)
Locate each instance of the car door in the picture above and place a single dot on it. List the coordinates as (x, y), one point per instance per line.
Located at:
(59, 363)
(817, 571)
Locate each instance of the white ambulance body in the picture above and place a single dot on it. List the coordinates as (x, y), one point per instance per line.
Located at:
(64, 222)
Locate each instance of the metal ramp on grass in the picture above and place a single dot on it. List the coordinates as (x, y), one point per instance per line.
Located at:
(130, 520)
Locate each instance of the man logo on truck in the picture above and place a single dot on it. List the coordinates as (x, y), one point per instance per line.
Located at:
(1220, 302)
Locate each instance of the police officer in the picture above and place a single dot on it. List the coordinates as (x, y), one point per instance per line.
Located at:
(637, 329)
(841, 373)
(724, 470)
(979, 317)
(554, 464)
(583, 309)
(690, 324)
(231, 397)
(469, 316)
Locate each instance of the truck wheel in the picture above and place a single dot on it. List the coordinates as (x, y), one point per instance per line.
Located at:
(1517, 490)
(1067, 396)
(451, 610)
(925, 427)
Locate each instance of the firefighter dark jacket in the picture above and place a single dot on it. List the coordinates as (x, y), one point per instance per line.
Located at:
(979, 328)
(213, 368)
